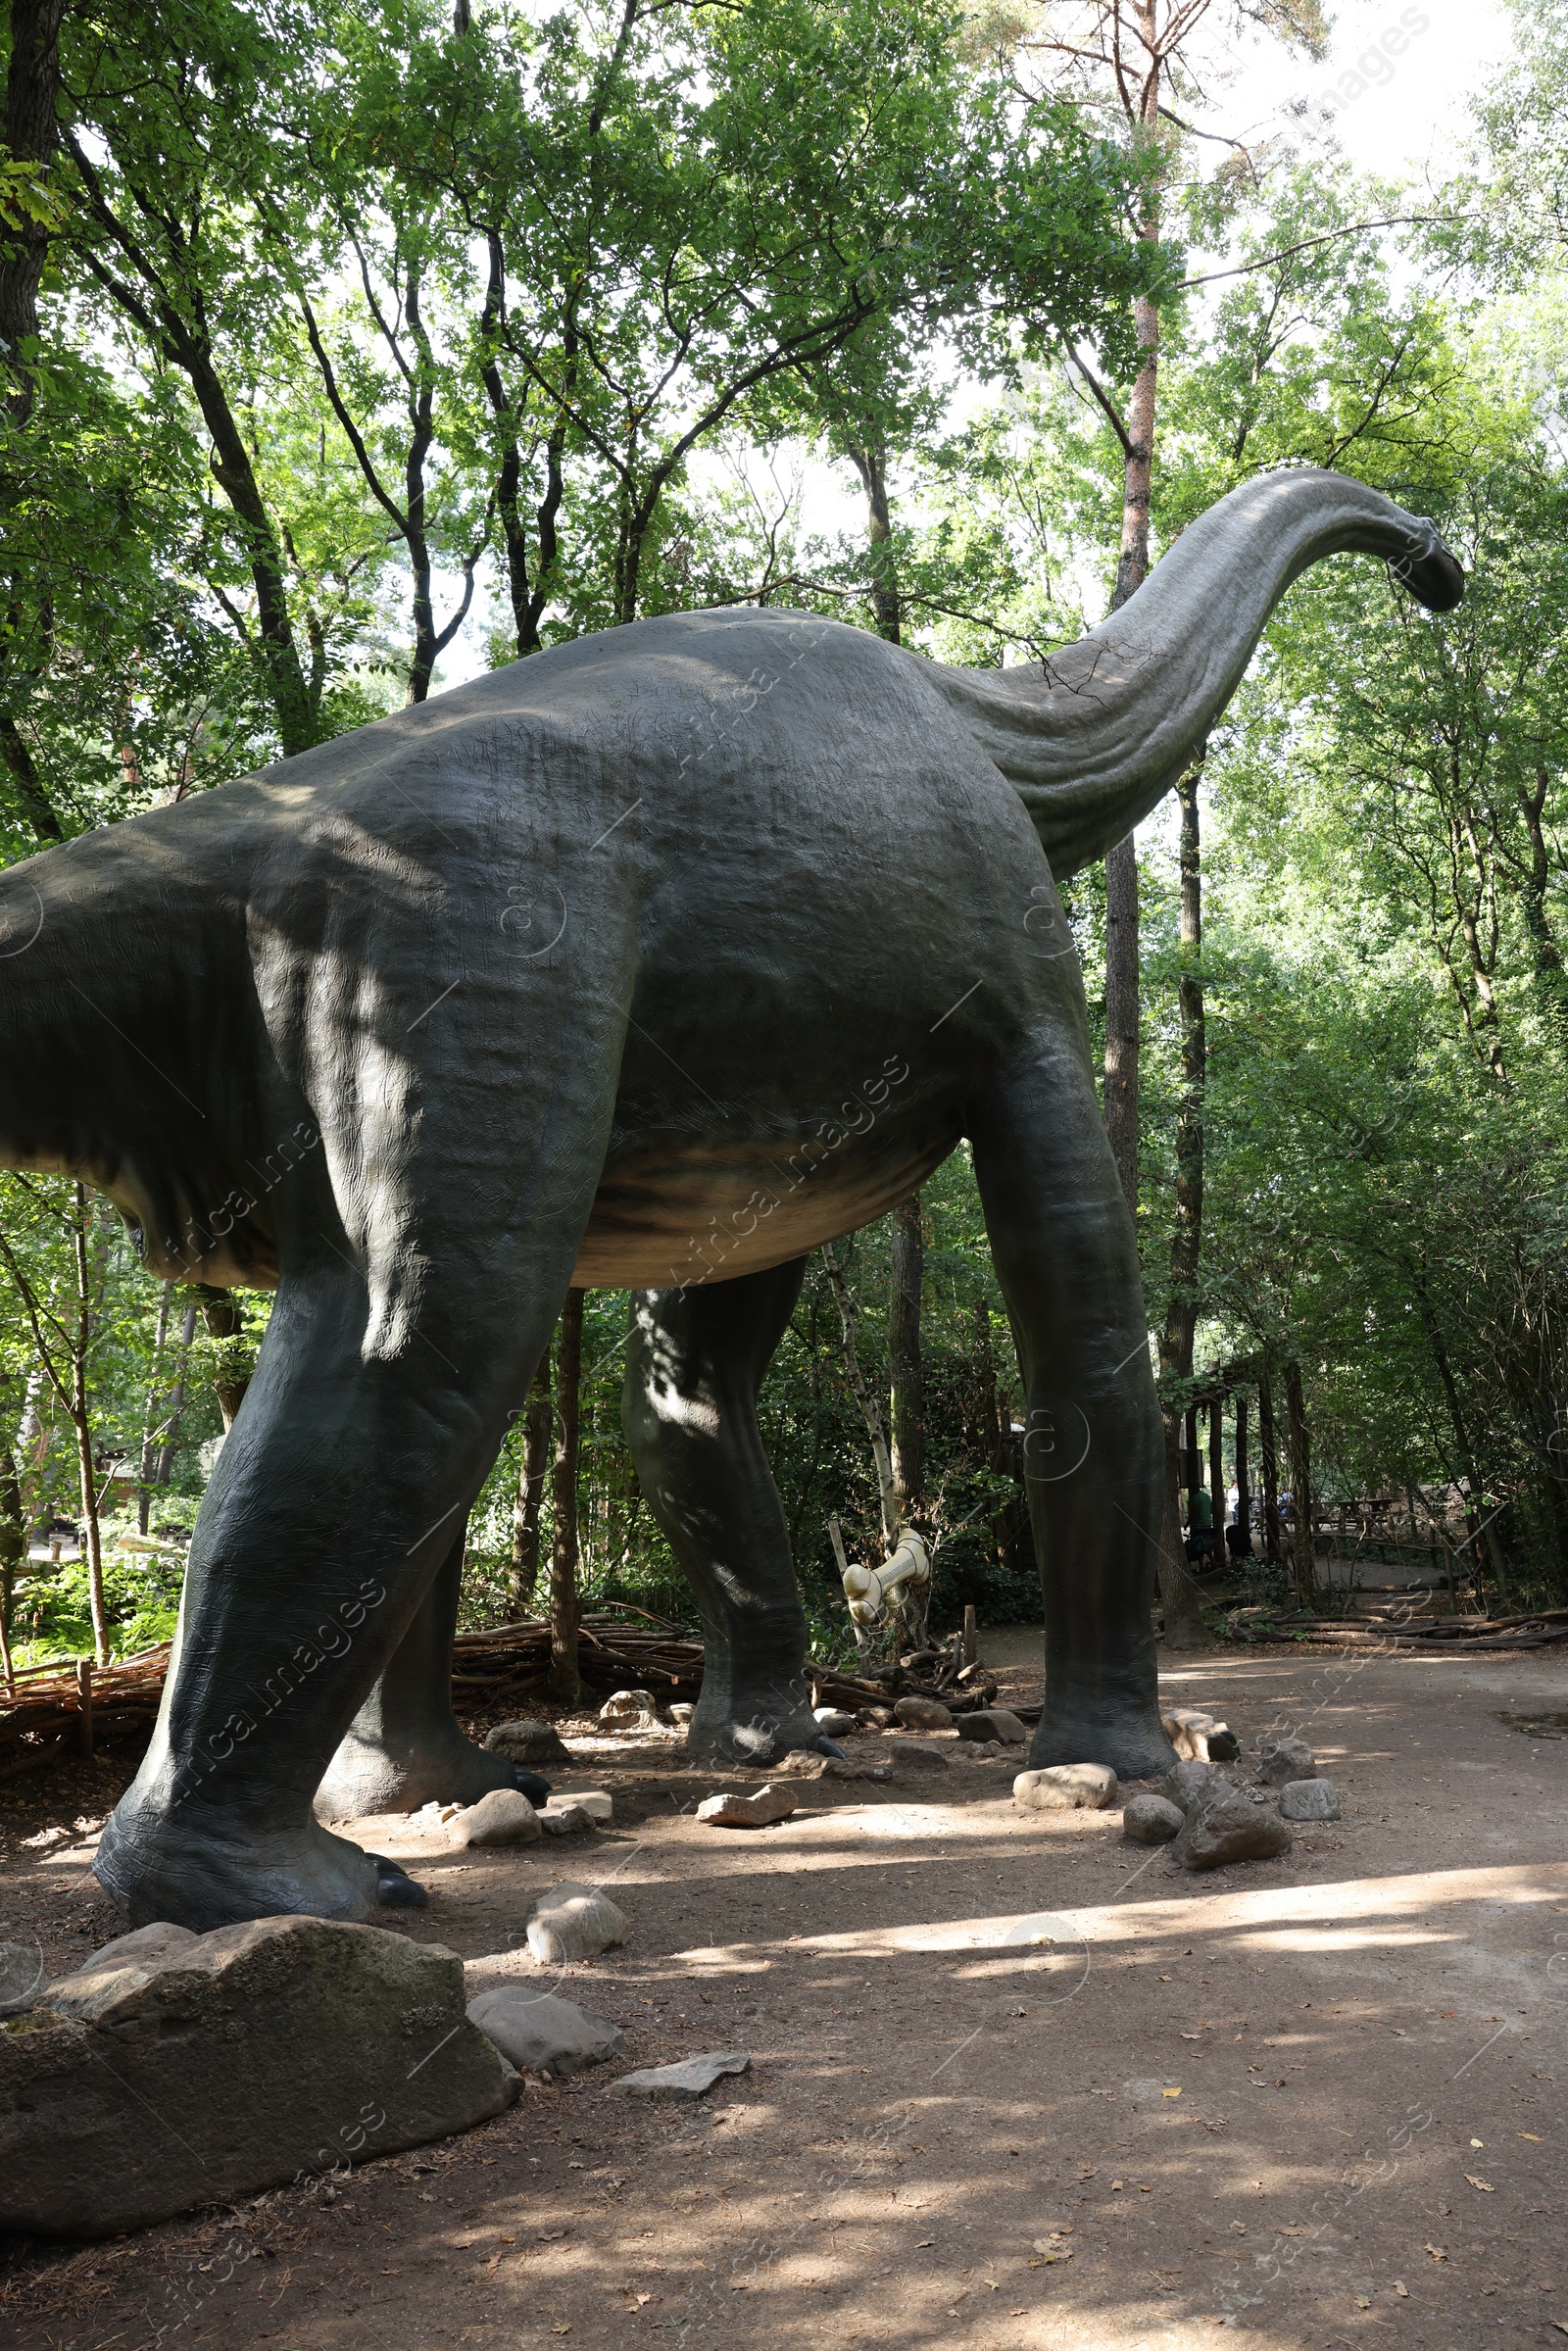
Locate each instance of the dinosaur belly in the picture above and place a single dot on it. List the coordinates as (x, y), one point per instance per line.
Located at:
(661, 1222)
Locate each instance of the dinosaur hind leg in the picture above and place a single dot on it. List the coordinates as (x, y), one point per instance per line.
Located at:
(405, 1747)
(694, 1367)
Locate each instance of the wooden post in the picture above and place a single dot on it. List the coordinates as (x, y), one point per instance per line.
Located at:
(971, 1638)
(85, 1703)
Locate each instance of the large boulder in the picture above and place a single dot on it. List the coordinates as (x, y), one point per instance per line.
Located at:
(176, 2069)
(1066, 1788)
(528, 1741)
(542, 2033)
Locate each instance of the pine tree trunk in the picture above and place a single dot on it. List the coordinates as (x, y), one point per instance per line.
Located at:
(565, 1609)
(536, 1432)
(905, 1362)
(1301, 1485)
(1270, 1466)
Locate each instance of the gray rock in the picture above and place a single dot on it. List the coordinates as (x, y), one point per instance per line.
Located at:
(1151, 1820)
(993, 1721)
(915, 1754)
(542, 2033)
(688, 2079)
(1282, 1760)
(1309, 1800)
(1190, 1783)
(1066, 1788)
(1228, 1828)
(834, 1721)
(573, 1922)
(755, 1811)
(923, 1714)
(528, 1741)
(178, 2069)
(876, 1718)
(504, 1817)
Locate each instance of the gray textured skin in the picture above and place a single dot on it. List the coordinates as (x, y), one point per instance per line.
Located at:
(651, 961)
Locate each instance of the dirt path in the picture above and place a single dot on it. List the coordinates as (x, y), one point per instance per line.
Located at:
(1316, 2100)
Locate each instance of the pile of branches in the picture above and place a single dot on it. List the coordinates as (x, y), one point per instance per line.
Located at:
(67, 1706)
(1535, 1630)
(44, 1713)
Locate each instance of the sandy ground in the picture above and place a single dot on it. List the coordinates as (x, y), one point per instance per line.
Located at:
(1318, 2101)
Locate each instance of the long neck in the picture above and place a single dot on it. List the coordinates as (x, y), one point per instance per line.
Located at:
(1094, 737)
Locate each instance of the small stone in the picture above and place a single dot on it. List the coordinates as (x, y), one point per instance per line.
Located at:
(833, 1721)
(993, 1721)
(876, 1718)
(681, 1712)
(1228, 1828)
(923, 1714)
(1309, 1800)
(845, 1767)
(755, 1811)
(1190, 1783)
(560, 1817)
(1282, 1760)
(1151, 1820)
(573, 1922)
(688, 2079)
(916, 1755)
(504, 1817)
(177, 2069)
(528, 1741)
(630, 1710)
(1066, 1788)
(597, 1802)
(542, 2033)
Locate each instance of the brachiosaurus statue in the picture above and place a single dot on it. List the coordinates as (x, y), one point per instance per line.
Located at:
(654, 961)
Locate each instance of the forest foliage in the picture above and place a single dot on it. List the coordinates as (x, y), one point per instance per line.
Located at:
(347, 349)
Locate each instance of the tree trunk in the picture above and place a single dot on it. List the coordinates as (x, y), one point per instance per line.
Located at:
(1301, 1485)
(1270, 1467)
(81, 1418)
(1192, 1464)
(906, 1366)
(1244, 1492)
(1122, 1013)
(225, 1318)
(149, 1424)
(536, 1432)
(32, 136)
(872, 465)
(176, 1398)
(887, 1492)
(1181, 1312)
(13, 1547)
(566, 1610)
(1216, 1473)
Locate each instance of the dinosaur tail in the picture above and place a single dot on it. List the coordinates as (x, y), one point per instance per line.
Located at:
(1097, 734)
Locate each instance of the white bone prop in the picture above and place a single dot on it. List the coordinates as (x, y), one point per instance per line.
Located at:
(867, 1588)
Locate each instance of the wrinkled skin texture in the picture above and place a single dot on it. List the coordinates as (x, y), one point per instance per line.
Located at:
(653, 962)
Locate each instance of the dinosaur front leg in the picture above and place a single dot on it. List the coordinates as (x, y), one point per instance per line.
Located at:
(695, 1365)
(405, 1747)
(329, 1517)
(1093, 1446)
